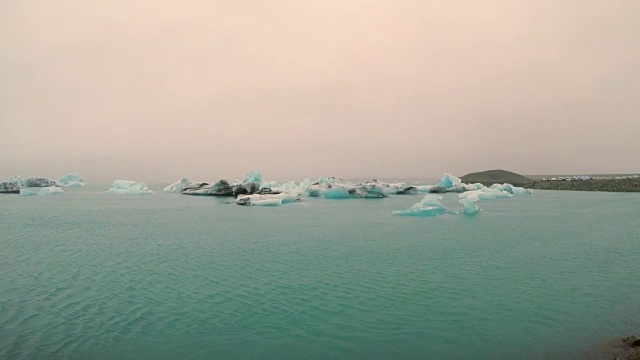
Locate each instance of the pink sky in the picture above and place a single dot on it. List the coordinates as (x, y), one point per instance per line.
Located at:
(157, 90)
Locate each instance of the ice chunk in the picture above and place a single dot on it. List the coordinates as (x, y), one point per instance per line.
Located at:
(71, 180)
(305, 185)
(468, 200)
(127, 187)
(51, 190)
(179, 185)
(269, 185)
(515, 190)
(336, 193)
(374, 190)
(431, 205)
(219, 188)
(344, 190)
(269, 199)
(486, 194)
(16, 179)
(423, 189)
(7, 187)
(448, 181)
(38, 182)
(254, 176)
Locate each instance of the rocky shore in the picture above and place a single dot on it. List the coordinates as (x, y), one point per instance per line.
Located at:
(624, 348)
(611, 185)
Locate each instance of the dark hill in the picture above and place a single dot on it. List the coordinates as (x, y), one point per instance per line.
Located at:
(491, 177)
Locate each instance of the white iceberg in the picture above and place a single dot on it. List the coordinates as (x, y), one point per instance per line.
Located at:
(268, 199)
(179, 185)
(431, 205)
(71, 180)
(468, 201)
(515, 190)
(51, 190)
(16, 179)
(486, 194)
(129, 187)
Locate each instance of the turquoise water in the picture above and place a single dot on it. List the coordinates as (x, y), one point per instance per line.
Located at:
(163, 276)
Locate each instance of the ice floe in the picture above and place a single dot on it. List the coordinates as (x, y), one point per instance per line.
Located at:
(50, 190)
(268, 199)
(71, 180)
(38, 182)
(179, 185)
(7, 187)
(430, 205)
(127, 187)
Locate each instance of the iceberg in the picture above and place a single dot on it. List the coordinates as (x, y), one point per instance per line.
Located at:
(430, 206)
(16, 179)
(219, 188)
(486, 194)
(254, 176)
(127, 187)
(268, 199)
(515, 190)
(449, 181)
(51, 190)
(179, 185)
(7, 187)
(71, 180)
(38, 182)
(331, 188)
(336, 193)
(468, 201)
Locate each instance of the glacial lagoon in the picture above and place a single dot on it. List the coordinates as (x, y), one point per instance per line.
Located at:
(86, 274)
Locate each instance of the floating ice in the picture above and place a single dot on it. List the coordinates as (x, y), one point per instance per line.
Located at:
(486, 194)
(344, 190)
(16, 179)
(219, 188)
(269, 185)
(515, 190)
(179, 185)
(468, 200)
(127, 187)
(449, 181)
(431, 205)
(71, 180)
(254, 176)
(51, 190)
(269, 199)
(336, 193)
(38, 182)
(7, 187)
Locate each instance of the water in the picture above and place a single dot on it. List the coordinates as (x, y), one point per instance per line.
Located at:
(163, 276)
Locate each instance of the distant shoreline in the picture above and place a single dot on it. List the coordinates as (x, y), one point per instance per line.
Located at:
(607, 185)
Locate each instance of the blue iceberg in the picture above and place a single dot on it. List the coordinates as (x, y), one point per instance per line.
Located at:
(50, 190)
(71, 180)
(430, 206)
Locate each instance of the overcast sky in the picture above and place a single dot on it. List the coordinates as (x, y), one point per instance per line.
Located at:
(157, 90)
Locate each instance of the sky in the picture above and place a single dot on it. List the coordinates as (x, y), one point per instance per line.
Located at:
(158, 90)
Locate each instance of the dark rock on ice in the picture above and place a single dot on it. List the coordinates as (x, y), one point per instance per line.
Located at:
(246, 188)
(410, 190)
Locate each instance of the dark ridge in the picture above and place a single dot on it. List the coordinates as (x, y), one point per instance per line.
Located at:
(490, 177)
